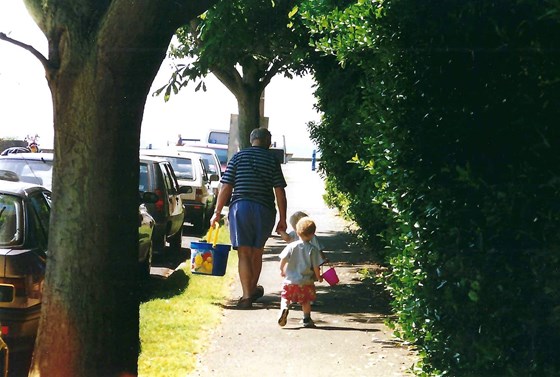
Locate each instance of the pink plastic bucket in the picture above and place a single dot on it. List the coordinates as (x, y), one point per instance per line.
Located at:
(330, 276)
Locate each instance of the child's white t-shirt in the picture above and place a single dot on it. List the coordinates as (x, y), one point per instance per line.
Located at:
(301, 257)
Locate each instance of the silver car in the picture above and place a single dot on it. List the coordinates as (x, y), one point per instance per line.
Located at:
(191, 172)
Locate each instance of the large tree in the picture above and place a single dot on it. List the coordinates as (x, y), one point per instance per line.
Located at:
(244, 44)
(103, 56)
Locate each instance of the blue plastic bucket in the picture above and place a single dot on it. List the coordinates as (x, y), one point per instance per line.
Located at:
(207, 259)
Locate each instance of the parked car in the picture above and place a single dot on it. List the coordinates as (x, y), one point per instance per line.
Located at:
(24, 228)
(222, 153)
(218, 137)
(218, 141)
(146, 224)
(211, 161)
(37, 168)
(191, 172)
(157, 175)
(30, 167)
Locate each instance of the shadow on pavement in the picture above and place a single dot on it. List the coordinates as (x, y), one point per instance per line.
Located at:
(353, 299)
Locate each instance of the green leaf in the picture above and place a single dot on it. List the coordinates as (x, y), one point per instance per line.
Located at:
(293, 11)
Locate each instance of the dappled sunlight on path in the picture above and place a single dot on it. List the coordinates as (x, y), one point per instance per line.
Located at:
(350, 339)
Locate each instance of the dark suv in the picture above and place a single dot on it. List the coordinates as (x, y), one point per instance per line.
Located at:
(24, 228)
(156, 175)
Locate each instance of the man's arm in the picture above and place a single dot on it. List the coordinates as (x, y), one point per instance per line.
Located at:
(282, 204)
(223, 197)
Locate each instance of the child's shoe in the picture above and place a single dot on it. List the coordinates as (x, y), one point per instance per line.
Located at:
(283, 318)
(308, 322)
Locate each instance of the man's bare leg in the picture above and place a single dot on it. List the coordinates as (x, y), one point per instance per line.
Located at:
(245, 269)
(256, 256)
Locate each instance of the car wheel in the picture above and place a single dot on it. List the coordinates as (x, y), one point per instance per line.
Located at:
(158, 244)
(175, 243)
(200, 224)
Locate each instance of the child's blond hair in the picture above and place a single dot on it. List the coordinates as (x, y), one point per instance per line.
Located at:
(306, 227)
(296, 216)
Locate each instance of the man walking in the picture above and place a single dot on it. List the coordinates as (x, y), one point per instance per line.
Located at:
(253, 179)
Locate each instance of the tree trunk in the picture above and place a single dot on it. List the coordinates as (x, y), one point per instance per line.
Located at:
(99, 75)
(89, 322)
(247, 89)
(249, 114)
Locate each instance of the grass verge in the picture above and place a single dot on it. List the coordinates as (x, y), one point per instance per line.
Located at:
(176, 321)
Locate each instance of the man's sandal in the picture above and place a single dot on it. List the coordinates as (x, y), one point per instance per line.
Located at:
(245, 303)
(258, 293)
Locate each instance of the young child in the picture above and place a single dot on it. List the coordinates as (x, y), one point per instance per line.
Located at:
(299, 265)
(292, 236)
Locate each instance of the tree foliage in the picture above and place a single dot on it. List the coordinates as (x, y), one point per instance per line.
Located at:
(457, 145)
(244, 44)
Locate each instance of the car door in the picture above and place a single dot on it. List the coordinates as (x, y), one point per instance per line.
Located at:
(208, 194)
(176, 213)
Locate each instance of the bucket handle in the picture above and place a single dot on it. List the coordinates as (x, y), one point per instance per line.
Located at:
(209, 234)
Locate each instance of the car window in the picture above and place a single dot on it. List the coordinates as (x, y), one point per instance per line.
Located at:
(218, 137)
(210, 163)
(32, 171)
(205, 175)
(143, 182)
(222, 154)
(169, 178)
(39, 216)
(10, 220)
(182, 167)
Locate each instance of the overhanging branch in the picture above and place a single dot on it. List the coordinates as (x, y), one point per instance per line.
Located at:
(230, 78)
(44, 61)
(272, 71)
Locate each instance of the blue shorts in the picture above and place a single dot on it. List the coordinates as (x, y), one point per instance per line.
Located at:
(250, 223)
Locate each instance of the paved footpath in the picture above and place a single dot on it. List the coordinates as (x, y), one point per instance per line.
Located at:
(351, 338)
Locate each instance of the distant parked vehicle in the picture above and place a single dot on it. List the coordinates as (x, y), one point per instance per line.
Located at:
(218, 137)
(37, 168)
(30, 167)
(191, 171)
(157, 175)
(222, 153)
(211, 161)
(218, 140)
(24, 229)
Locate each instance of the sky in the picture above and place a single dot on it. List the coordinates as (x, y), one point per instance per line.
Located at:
(26, 105)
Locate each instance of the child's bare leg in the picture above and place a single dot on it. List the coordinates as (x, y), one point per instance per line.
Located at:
(307, 321)
(306, 308)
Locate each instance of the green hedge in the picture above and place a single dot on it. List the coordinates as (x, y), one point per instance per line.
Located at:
(451, 110)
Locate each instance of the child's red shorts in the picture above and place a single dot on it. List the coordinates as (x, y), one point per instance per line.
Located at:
(301, 294)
